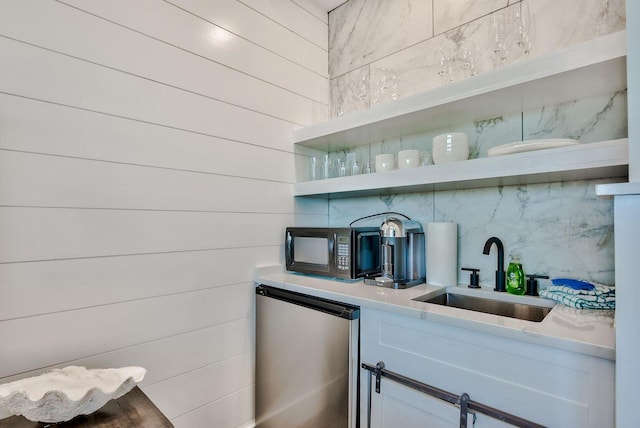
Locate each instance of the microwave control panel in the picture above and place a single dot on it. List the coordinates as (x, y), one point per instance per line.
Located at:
(343, 253)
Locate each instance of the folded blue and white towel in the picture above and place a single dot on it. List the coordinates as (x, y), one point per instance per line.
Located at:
(580, 294)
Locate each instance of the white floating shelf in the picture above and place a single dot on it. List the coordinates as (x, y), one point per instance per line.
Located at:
(581, 71)
(618, 189)
(607, 159)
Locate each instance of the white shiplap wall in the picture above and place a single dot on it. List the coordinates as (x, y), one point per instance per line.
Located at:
(146, 167)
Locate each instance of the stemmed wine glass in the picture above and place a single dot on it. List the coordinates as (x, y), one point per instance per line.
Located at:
(500, 37)
(524, 27)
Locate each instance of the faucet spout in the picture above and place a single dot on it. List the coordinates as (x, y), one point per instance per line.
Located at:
(500, 274)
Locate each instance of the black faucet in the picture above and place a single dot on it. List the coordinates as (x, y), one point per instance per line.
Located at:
(500, 274)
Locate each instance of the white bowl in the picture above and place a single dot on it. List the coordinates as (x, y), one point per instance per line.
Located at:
(450, 147)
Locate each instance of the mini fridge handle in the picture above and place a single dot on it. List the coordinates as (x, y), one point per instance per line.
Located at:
(337, 309)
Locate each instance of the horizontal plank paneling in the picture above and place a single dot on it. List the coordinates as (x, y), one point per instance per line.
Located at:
(66, 182)
(145, 170)
(299, 20)
(313, 8)
(34, 72)
(56, 26)
(177, 395)
(233, 410)
(196, 35)
(241, 20)
(173, 355)
(46, 287)
(45, 340)
(51, 233)
(48, 128)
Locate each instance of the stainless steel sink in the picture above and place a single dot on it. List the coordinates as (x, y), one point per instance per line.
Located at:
(521, 311)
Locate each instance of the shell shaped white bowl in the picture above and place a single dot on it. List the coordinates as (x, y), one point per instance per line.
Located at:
(61, 394)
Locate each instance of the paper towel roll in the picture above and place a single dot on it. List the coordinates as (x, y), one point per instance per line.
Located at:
(442, 254)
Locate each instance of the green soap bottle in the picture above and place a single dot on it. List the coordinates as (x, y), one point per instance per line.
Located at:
(515, 275)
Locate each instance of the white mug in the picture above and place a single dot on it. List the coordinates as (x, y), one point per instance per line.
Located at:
(412, 158)
(385, 162)
(450, 147)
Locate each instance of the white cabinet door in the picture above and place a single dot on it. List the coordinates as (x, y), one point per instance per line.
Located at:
(547, 386)
(400, 406)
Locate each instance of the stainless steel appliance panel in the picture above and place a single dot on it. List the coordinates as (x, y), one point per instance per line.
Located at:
(306, 361)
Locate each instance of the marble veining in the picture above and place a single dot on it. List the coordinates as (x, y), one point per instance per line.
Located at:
(563, 23)
(362, 31)
(559, 229)
(590, 120)
(350, 92)
(398, 37)
(450, 14)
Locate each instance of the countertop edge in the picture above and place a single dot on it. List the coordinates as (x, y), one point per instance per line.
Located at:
(555, 333)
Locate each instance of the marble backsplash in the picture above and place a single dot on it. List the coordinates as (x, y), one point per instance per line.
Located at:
(587, 120)
(396, 45)
(559, 229)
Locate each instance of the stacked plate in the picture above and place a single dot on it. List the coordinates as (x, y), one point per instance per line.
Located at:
(530, 145)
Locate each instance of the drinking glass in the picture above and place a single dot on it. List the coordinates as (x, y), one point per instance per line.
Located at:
(441, 58)
(524, 27)
(362, 88)
(315, 168)
(499, 34)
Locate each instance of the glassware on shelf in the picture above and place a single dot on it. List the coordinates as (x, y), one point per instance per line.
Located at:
(315, 168)
(353, 166)
(341, 167)
(466, 55)
(512, 33)
(362, 88)
(443, 62)
(456, 64)
(499, 37)
(326, 167)
(337, 164)
(524, 27)
(385, 87)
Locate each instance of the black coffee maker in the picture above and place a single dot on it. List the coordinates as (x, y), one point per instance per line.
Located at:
(402, 254)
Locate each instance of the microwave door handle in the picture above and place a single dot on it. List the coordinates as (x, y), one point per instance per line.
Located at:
(333, 251)
(288, 253)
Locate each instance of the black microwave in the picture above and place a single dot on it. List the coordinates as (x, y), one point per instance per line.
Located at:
(340, 252)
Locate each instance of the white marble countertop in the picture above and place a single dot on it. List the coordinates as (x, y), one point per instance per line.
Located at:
(589, 332)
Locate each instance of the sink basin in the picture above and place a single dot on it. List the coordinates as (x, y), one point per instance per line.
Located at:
(504, 308)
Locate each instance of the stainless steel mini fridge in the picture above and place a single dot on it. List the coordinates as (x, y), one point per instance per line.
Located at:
(306, 361)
